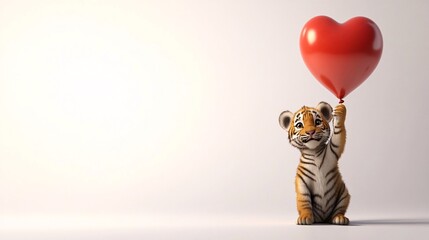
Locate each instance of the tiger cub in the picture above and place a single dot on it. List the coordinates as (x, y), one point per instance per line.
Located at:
(321, 195)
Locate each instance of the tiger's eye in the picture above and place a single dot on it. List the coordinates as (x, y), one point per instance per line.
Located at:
(318, 121)
(298, 125)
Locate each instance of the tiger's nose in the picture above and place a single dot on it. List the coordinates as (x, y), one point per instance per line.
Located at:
(310, 132)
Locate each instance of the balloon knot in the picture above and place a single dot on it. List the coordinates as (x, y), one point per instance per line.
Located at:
(341, 101)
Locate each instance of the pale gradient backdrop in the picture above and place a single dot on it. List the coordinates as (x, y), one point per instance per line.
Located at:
(170, 108)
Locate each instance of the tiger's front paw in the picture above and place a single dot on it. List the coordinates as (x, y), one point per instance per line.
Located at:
(340, 219)
(305, 219)
(340, 115)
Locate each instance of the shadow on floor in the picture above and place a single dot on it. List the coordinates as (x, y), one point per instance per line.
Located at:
(423, 221)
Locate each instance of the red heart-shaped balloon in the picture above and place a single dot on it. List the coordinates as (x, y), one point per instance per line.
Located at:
(341, 56)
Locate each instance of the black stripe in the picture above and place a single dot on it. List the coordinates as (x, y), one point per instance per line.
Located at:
(329, 190)
(343, 189)
(303, 182)
(307, 208)
(317, 206)
(337, 132)
(305, 174)
(335, 146)
(308, 171)
(306, 194)
(310, 163)
(336, 155)
(316, 196)
(334, 169)
(319, 215)
(298, 143)
(323, 159)
(306, 205)
(311, 155)
(330, 199)
(339, 192)
(332, 178)
(336, 210)
(345, 196)
(320, 151)
(307, 158)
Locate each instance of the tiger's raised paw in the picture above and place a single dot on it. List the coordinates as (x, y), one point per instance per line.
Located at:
(340, 220)
(305, 220)
(340, 112)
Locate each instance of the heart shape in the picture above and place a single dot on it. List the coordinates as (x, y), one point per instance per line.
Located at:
(341, 56)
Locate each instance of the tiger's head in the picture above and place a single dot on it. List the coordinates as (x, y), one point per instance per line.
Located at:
(308, 128)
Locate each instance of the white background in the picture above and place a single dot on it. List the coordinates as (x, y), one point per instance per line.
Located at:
(154, 113)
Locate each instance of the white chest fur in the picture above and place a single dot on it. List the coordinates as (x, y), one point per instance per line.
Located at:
(319, 174)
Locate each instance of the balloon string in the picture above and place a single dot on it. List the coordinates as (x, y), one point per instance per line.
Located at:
(341, 101)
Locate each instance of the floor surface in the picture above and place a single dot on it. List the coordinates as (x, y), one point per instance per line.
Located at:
(272, 228)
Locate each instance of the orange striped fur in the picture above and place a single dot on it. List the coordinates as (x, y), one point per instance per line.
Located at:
(321, 195)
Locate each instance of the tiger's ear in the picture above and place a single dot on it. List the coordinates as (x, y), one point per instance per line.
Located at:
(326, 110)
(285, 120)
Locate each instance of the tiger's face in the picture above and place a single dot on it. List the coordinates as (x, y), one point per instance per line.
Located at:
(308, 128)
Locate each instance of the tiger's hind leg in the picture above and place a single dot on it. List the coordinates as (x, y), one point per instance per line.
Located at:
(339, 212)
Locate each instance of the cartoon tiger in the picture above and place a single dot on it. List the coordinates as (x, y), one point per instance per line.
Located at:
(321, 195)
